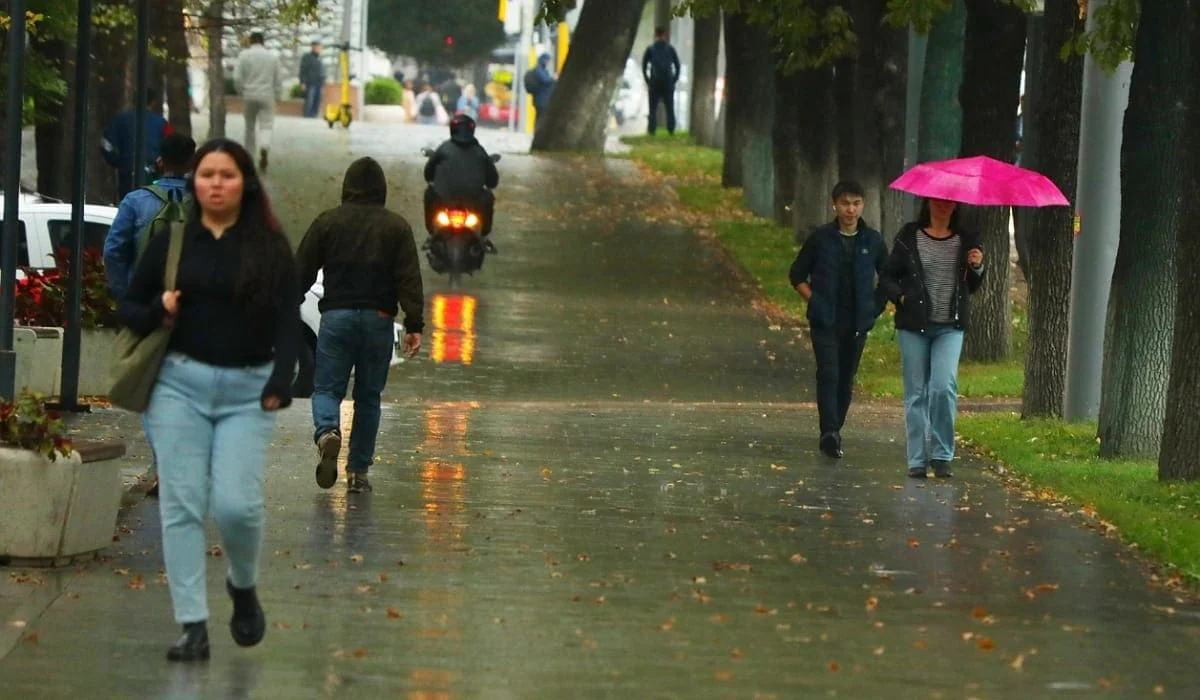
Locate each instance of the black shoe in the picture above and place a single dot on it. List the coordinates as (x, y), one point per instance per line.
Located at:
(249, 622)
(153, 490)
(489, 246)
(917, 473)
(328, 446)
(941, 469)
(831, 445)
(357, 483)
(262, 160)
(192, 646)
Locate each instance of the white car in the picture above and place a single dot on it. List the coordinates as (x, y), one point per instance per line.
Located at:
(46, 225)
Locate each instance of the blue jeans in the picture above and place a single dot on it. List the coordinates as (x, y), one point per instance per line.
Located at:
(359, 340)
(312, 100)
(211, 437)
(930, 362)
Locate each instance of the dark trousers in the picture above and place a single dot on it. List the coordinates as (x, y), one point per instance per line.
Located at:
(838, 351)
(486, 201)
(666, 95)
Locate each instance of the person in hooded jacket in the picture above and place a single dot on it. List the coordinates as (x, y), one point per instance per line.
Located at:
(371, 266)
(461, 171)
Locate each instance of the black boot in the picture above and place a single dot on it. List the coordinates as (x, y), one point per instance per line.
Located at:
(249, 622)
(193, 645)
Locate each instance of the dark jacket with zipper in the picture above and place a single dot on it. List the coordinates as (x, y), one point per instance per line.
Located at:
(367, 251)
(819, 263)
(904, 275)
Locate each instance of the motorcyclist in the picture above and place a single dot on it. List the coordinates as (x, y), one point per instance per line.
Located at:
(461, 172)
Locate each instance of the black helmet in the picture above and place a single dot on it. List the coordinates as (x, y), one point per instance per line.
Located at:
(462, 128)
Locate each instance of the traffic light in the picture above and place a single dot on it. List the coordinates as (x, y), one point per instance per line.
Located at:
(449, 40)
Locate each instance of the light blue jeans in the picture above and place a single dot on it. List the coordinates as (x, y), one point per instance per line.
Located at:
(930, 361)
(211, 436)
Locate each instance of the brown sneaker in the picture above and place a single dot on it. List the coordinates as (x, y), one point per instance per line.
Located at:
(357, 483)
(328, 446)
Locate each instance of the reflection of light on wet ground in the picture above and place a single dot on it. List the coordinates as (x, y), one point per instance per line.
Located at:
(453, 329)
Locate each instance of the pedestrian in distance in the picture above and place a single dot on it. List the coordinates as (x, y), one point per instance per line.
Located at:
(259, 80)
(934, 268)
(371, 267)
(312, 79)
(234, 320)
(835, 271)
(660, 67)
(117, 144)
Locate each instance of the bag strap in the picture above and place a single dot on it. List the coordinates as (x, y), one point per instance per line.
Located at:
(174, 252)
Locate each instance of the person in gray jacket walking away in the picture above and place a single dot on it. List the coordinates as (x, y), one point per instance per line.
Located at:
(312, 77)
(258, 79)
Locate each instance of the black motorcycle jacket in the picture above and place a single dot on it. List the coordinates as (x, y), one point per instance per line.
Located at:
(461, 169)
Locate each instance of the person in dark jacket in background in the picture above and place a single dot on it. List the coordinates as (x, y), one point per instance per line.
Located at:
(934, 267)
(371, 267)
(117, 143)
(461, 171)
(540, 85)
(835, 273)
(660, 67)
(235, 322)
(312, 77)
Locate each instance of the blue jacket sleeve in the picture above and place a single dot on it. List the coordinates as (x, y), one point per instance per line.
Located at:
(120, 250)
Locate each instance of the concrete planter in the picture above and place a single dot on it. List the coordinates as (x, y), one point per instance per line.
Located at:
(96, 348)
(52, 513)
(385, 114)
(39, 359)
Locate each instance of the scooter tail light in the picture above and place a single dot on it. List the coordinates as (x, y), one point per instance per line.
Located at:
(457, 218)
(443, 218)
(472, 221)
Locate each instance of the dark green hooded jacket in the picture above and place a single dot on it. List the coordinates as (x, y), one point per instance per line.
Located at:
(367, 251)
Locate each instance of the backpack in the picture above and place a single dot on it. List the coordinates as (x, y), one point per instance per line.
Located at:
(174, 209)
(428, 108)
(531, 82)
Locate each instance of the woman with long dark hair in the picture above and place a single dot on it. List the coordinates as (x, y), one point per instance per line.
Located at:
(934, 267)
(234, 317)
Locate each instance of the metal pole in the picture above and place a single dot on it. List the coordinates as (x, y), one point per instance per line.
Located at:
(1098, 228)
(69, 399)
(917, 43)
(142, 90)
(362, 74)
(12, 196)
(520, 98)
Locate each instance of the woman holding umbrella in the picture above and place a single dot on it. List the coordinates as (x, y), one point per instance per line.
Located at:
(934, 267)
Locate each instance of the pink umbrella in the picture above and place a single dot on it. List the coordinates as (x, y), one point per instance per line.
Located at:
(983, 181)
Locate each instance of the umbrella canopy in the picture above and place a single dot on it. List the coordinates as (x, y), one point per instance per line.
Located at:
(983, 181)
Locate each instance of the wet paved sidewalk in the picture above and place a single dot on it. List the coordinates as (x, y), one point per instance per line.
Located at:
(600, 479)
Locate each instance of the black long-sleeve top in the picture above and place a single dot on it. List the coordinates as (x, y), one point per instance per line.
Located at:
(212, 325)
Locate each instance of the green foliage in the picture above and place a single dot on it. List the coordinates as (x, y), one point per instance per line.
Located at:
(1114, 37)
(419, 28)
(26, 424)
(920, 14)
(1061, 459)
(297, 92)
(553, 11)
(807, 34)
(383, 91)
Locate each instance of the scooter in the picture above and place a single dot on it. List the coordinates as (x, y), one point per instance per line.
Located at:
(343, 112)
(456, 244)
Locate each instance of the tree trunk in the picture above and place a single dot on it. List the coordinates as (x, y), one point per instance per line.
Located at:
(817, 127)
(54, 142)
(941, 114)
(702, 118)
(1141, 308)
(578, 111)
(738, 107)
(758, 148)
(785, 142)
(175, 66)
(993, 58)
(662, 14)
(1181, 430)
(1054, 122)
(214, 31)
(890, 57)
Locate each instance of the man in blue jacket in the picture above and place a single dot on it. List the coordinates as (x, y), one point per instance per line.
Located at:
(660, 67)
(117, 143)
(835, 272)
